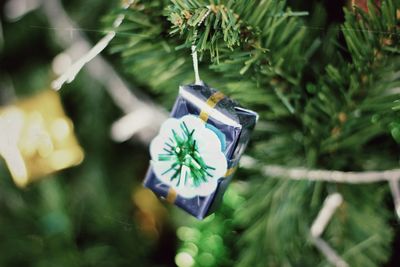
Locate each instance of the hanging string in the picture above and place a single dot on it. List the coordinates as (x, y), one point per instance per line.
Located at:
(194, 50)
(195, 65)
(75, 68)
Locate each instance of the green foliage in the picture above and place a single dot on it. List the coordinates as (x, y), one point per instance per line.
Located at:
(222, 28)
(371, 37)
(145, 22)
(324, 103)
(209, 242)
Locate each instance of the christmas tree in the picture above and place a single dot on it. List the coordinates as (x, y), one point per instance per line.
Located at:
(319, 185)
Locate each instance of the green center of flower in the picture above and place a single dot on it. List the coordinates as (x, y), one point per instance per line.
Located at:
(186, 161)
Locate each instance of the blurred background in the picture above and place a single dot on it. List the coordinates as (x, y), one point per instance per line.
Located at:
(82, 216)
(95, 213)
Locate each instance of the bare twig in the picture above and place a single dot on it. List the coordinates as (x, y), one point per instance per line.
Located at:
(15, 9)
(331, 203)
(322, 175)
(329, 253)
(74, 69)
(394, 188)
(102, 71)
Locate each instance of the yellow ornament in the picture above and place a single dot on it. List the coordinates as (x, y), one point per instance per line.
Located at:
(150, 214)
(37, 138)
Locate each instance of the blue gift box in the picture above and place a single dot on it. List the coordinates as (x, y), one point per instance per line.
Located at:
(232, 125)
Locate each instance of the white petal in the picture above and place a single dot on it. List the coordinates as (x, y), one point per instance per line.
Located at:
(207, 188)
(217, 161)
(209, 148)
(168, 125)
(156, 147)
(207, 140)
(160, 167)
(158, 144)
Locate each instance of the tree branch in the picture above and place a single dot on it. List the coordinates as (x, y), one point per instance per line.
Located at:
(322, 175)
(103, 72)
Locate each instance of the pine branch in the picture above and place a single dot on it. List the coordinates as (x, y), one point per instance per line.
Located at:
(372, 37)
(339, 115)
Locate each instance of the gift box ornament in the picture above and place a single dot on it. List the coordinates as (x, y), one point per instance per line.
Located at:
(36, 138)
(197, 150)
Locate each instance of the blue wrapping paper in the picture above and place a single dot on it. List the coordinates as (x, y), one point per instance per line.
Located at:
(233, 126)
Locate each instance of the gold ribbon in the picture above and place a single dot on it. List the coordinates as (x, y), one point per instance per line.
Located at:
(230, 171)
(212, 101)
(171, 196)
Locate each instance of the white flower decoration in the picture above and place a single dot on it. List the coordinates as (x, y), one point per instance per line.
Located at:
(187, 156)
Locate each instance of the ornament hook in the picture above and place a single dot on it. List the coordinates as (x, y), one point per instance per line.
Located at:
(194, 51)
